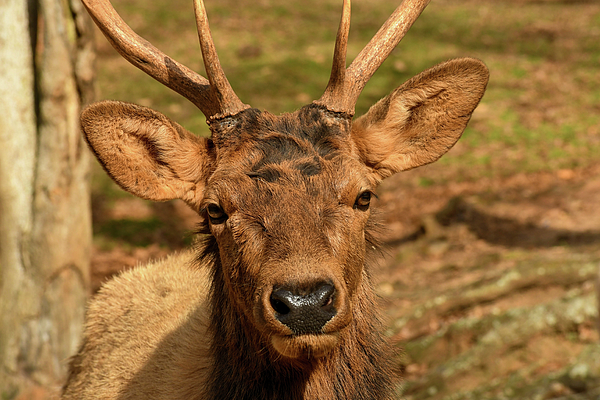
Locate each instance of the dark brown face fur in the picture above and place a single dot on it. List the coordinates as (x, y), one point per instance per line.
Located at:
(288, 205)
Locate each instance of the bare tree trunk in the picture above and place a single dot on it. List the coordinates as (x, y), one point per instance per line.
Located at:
(46, 59)
(598, 299)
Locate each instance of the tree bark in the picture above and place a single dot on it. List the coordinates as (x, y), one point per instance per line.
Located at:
(598, 300)
(46, 54)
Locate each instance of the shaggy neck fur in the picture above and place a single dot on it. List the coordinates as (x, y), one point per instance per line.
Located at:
(245, 367)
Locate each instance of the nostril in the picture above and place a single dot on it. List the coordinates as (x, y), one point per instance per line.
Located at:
(278, 304)
(324, 295)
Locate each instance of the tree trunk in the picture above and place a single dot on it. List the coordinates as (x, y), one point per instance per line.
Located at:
(46, 59)
(598, 300)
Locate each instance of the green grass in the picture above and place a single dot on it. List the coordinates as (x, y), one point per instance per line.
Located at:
(540, 109)
(139, 233)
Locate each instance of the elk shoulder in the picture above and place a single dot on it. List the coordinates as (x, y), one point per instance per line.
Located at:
(157, 311)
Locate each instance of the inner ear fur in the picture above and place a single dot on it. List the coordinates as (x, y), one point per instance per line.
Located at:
(422, 119)
(146, 153)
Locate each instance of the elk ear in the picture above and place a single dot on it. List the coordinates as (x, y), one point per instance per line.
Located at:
(422, 119)
(146, 153)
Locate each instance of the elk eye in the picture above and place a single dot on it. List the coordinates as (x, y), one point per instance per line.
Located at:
(216, 214)
(363, 200)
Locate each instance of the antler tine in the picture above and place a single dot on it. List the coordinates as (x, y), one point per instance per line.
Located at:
(224, 94)
(152, 61)
(338, 69)
(343, 90)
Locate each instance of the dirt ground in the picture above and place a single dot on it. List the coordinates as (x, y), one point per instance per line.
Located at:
(487, 287)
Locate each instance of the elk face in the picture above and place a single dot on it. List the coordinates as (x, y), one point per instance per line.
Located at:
(286, 198)
(288, 205)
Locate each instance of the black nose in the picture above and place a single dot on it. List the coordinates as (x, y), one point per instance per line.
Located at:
(304, 311)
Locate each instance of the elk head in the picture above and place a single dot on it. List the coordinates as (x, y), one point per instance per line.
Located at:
(286, 198)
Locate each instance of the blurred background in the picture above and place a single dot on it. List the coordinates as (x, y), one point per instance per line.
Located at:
(491, 253)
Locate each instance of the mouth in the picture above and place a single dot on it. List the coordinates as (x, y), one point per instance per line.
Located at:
(307, 346)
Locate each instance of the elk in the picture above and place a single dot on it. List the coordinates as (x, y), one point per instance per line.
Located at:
(276, 301)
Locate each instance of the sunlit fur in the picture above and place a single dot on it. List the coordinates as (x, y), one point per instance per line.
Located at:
(283, 204)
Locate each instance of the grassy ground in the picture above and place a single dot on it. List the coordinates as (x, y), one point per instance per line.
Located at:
(493, 249)
(540, 110)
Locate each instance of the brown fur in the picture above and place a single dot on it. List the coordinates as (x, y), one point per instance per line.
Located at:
(285, 204)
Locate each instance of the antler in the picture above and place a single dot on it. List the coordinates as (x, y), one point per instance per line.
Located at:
(214, 97)
(346, 84)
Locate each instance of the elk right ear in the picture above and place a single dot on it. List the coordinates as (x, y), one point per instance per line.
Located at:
(146, 153)
(422, 119)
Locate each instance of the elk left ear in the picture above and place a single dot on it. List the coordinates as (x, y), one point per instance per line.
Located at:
(422, 119)
(146, 153)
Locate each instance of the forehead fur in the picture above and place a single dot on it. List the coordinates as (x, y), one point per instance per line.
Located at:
(309, 153)
(258, 138)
